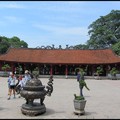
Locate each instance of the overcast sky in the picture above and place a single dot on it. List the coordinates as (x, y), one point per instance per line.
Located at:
(51, 22)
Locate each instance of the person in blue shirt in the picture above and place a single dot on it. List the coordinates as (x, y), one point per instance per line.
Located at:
(82, 82)
(78, 76)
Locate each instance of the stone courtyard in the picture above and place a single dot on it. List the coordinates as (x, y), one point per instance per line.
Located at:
(103, 100)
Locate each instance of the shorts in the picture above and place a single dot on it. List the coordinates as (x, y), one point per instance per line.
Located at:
(12, 86)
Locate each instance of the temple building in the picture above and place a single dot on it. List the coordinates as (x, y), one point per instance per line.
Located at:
(60, 61)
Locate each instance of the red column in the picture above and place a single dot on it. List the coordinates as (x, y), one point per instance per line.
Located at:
(51, 71)
(66, 71)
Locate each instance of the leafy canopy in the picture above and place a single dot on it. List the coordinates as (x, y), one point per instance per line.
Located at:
(15, 42)
(105, 31)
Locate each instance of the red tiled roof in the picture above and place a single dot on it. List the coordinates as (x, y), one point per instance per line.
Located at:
(64, 56)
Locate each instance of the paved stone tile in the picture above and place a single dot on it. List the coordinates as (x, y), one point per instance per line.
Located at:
(103, 100)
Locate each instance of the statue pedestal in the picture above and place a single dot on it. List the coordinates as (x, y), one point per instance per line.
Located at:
(33, 110)
(79, 106)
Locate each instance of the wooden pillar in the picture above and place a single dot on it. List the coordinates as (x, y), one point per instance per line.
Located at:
(39, 68)
(0, 66)
(12, 67)
(24, 66)
(66, 71)
(51, 70)
(92, 70)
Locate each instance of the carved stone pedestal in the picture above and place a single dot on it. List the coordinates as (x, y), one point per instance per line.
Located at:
(33, 110)
(79, 106)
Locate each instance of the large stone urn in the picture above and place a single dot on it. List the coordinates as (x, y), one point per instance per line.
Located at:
(31, 91)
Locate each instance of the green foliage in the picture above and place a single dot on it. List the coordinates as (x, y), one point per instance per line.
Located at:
(15, 42)
(5, 67)
(81, 46)
(99, 70)
(36, 72)
(116, 48)
(19, 69)
(79, 97)
(104, 32)
(80, 69)
(4, 44)
(83, 84)
(114, 71)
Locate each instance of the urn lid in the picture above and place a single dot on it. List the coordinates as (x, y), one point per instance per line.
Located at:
(34, 82)
(34, 85)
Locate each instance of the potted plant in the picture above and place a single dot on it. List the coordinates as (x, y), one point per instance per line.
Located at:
(99, 71)
(79, 104)
(80, 101)
(19, 70)
(113, 73)
(35, 72)
(5, 67)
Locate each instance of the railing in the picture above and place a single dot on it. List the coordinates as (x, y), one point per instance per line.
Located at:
(117, 77)
(4, 74)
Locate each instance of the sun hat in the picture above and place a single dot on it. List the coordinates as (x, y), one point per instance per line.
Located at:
(26, 71)
(11, 73)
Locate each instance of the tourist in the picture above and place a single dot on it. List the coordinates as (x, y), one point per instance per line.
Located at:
(12, 80)
(78, 76)
(10, 74)
(17, 86)
(27, 75)
(26, 78)
(82, 82)
(80, 85)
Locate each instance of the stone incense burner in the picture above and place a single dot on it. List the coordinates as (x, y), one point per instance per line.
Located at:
(35, 90)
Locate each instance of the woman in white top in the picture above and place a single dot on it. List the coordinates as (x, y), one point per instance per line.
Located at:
(12, 80)
(26, 78)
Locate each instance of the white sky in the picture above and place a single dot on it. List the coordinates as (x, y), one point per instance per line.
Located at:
(51, 22)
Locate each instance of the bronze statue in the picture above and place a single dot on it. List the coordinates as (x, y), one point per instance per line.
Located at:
(35, 90)
(50, 86)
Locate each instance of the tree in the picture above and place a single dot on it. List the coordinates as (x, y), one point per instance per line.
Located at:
(99, 70)
(114, 71)
(15, 42)
(105, 31)
(81, 46)
(4, 44)
(116, 48)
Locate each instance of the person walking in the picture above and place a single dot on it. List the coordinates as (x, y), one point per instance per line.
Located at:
(12, 80)
(78, 76)
(82, 82)
(17, 86)
(10, 74)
